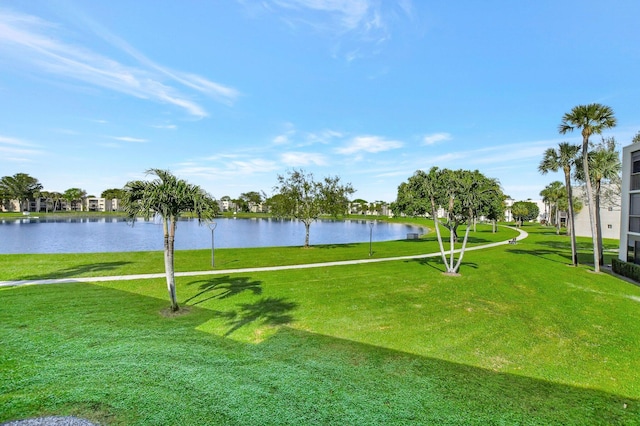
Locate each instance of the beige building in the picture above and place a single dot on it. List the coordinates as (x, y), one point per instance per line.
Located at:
(609, 213)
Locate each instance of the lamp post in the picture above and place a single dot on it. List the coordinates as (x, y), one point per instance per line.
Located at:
(212, 225)
(370, 237)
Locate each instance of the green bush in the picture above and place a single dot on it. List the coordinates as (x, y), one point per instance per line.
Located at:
(626, 269)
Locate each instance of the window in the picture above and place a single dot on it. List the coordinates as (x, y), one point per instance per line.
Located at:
(635, 170)
(610, 226)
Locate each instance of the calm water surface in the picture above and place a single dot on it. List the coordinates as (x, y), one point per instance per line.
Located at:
(86, 235)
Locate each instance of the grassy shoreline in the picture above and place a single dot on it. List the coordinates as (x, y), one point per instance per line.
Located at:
(42, 266)
(519, 338)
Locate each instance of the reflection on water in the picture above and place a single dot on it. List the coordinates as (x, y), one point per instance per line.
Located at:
(112, 234)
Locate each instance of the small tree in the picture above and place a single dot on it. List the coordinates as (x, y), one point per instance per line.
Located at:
(462, 195)
(168, 197)
(300, 197)
(524, 211)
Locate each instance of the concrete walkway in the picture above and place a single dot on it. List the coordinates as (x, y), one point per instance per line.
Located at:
(522, 235)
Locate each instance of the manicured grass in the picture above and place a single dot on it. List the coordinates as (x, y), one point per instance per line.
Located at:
(29, 267)
(519, 338)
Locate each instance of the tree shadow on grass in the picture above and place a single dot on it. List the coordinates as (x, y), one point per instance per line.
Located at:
(435, 262)
(223, 287)
(266, 311)
(564, 245)
(89, 269)
(543, 254)
(334, 246)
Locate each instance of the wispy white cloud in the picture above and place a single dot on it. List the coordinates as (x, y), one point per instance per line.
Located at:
(360, 26)
(285, 137)
(129, 139)
(165, 126)
(371, 144)
(17, 150)
(14, 141)
(296, 159)
(29, 40)
(229, 169)
(435, 138)
(346, 14)
(291, 136)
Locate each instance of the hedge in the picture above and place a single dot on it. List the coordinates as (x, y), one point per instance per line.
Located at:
(626, 269)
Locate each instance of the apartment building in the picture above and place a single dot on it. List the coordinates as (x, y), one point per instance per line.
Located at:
(609, 213)
(630, 205)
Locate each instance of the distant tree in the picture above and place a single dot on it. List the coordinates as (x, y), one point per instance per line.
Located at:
(552, 194)
(46, 195)
(564, 158)
(73, 195)
(20, 187)
(636, 138)
(248, 199)
(301, 197)
(113, 194)
(56, 199)
(590, 119)
(359, 205)
(463, 195)
(524, 211)
(168, 197)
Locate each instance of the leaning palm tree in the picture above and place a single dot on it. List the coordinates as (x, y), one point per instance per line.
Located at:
(563, 158)
(591, 119)
(167, 197)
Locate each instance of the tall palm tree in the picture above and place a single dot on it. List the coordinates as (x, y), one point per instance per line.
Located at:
(563, 158)
(167, 197)
(590, 119)
(604, 165)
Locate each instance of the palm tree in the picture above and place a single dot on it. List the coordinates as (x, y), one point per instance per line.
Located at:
(552, 194)
(591, 119)
(74, 194)
(604, 165)
(167, 197)
(563, 158)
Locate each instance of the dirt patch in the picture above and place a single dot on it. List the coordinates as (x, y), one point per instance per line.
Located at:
(168, 313)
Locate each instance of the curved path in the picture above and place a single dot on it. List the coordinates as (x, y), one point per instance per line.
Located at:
(522, 235)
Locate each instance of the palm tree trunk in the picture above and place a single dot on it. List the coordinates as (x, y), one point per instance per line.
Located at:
(464, 244)
(452, 242)
(572, 228)
(436, 222)
(599, 222)
(169, 239)
(590, 201)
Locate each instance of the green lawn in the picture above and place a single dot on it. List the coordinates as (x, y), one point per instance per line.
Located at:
(28, 267)
(519, 338)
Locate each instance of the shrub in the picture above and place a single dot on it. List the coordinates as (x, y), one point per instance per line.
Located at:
(626, 269)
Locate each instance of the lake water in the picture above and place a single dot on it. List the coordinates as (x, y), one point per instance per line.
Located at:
(86, 235)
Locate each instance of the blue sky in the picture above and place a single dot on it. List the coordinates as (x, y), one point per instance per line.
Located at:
(229, 94)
